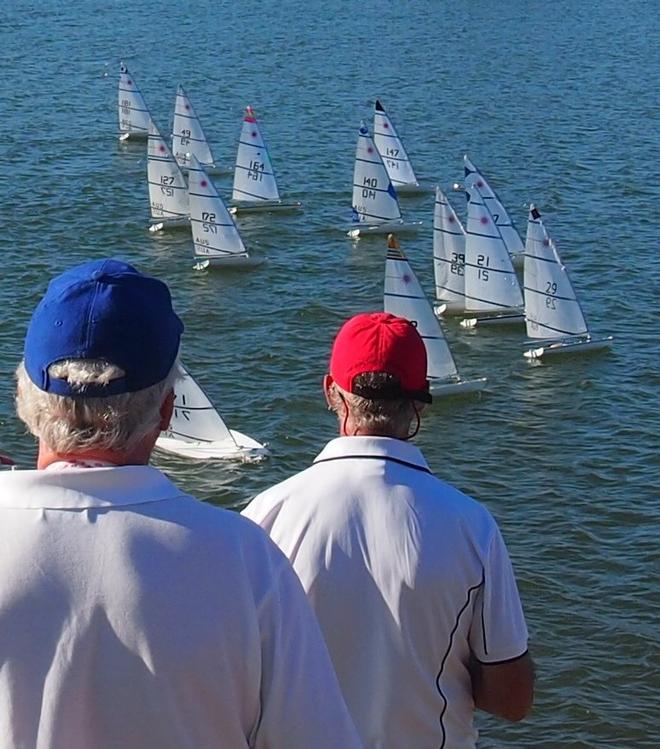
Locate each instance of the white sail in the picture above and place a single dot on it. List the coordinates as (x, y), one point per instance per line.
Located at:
(134, 114)
(168, 191)
(374, 198)
(194, 418)
(490, 280)
(254, 179)
(510, 236)
(215, 234)
(391, 149)
(551, 307)
(448, 253)
(404, 297)
(187, 134)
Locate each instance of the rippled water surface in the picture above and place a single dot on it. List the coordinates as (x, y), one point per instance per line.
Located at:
(557, 102)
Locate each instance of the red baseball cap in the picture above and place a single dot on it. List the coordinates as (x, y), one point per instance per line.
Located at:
(381, 342)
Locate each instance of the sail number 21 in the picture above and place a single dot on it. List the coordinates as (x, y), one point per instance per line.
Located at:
(483, 261)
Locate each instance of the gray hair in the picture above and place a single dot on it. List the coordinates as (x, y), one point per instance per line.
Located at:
(69, 424)
(386, 416)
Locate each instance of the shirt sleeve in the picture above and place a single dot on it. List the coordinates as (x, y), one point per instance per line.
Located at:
(498, 632)
(302, 705)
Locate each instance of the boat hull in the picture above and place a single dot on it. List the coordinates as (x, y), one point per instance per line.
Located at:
(443, 388)
(230, 261)
(243, 448)
(134, 135)
(411, 188)
(265, 206)
(590, 345)
(169, 223)
(491, 320)
(387, 227)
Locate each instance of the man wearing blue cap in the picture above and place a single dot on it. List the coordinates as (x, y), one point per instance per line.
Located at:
(132, 615)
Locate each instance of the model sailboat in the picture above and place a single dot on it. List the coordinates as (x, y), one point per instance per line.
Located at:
(375, 202)
(168, 191)
(134, 114)
(552, 310)
(508, 231)
(255, 186)
(215, 235)
(492, 291)
(188, 137)
(197, 431)
(448, 256)
(404, 297)
(394, 155)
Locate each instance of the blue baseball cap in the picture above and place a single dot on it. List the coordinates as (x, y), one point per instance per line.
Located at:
(104, 309)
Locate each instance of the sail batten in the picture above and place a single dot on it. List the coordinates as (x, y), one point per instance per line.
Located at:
(391, 149)
(168, 191)
(510, 236)
(188, 137)
(134, 116)
(215, 234)
(254, 176)
(374, 198)
(550, 300)
(404, 296)
(491, 283)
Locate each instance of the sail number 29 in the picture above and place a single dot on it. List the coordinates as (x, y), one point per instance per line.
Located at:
(550, 290)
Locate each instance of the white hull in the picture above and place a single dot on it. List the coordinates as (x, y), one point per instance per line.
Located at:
(211, 169)
(411, 188)
(134, 135)
(265, 206)
(440, 388)
(241, 448)
(569, 347)
(503, 319)
(449, 309)
(169, 223)
(231, 261)
(387, 227)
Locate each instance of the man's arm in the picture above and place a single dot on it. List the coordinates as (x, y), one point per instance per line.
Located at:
(504, 689)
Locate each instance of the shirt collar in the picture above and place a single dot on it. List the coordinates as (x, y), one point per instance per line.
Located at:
(373, 447)
(82, 488)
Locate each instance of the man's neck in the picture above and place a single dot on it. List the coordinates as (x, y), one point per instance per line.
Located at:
(47, 457)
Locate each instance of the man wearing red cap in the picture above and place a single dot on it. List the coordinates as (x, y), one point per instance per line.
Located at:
(409, 578)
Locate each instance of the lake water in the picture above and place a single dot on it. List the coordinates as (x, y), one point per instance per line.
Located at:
(557, 102)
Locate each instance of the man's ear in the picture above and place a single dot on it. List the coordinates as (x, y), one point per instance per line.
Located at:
(166, 410)
(327, 383)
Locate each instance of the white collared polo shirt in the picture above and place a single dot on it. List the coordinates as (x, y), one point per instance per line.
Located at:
(134, 616)
(407, 576)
